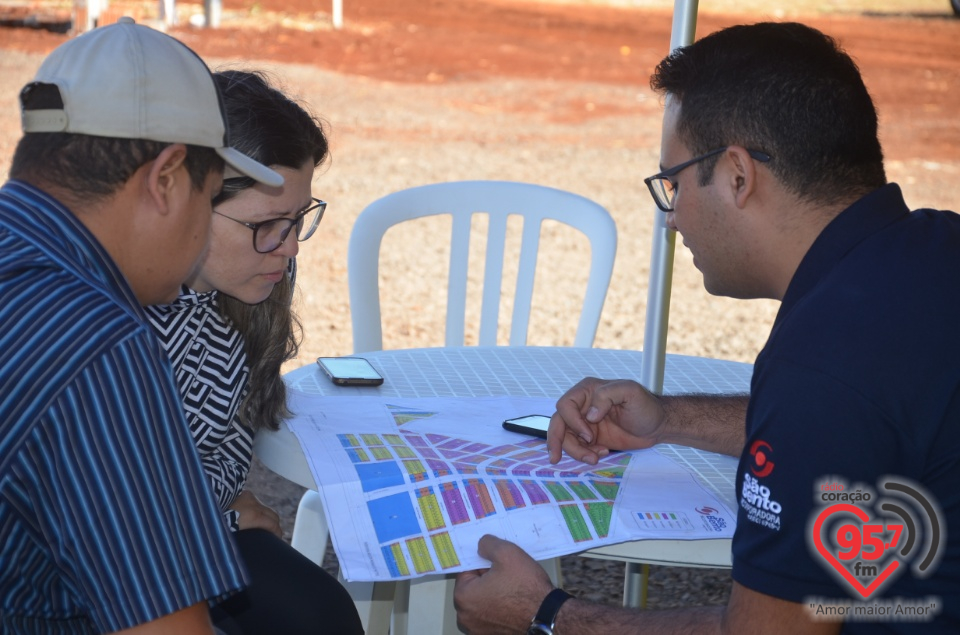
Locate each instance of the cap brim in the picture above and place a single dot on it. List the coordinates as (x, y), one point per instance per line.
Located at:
(248, 167)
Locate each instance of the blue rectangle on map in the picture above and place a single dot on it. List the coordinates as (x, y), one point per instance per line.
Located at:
(374, 476)
(393, 517)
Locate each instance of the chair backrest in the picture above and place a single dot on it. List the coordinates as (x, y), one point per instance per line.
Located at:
(461, 200)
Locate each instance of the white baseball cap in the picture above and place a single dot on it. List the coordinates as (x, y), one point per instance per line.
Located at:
(129, 81)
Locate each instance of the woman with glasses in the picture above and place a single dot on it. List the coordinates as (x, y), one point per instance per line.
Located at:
(227, 336)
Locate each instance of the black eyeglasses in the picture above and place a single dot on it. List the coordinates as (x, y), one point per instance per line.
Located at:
(270, 234)
(664, 190)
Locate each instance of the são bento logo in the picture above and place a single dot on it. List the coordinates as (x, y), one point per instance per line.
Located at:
(867, 539)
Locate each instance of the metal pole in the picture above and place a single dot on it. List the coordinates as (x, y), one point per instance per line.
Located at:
(658, 293)
(168, 12)
(93, 15)
(212, 13)
(337, 14)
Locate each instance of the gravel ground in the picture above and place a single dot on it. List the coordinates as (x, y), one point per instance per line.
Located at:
(597, 140)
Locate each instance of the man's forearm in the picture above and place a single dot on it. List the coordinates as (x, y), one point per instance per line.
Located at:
(710, 422)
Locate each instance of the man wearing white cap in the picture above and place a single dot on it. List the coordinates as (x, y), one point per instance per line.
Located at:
(106, 519)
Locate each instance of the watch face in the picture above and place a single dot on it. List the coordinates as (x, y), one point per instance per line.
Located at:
(539, 629)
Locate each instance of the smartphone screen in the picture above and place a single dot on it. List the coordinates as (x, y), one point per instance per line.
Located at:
(534, 425)
(350, 371)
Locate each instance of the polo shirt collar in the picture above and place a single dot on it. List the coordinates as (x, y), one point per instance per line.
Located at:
(59, 234)
(864, 218)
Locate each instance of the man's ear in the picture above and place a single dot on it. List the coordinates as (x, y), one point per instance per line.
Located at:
(164, 177)
(742, 176)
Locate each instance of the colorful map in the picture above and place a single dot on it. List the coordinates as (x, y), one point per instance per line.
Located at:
(405, 497)
(459, 481)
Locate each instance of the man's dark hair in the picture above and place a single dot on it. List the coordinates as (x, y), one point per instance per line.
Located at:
(93, 167)
(787, 90)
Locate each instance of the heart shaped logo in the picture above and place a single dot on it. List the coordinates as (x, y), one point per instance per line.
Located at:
(851, 539)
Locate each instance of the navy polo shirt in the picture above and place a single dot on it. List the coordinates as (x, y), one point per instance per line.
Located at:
(859, 380)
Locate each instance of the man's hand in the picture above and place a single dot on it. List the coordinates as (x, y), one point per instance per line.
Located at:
(597, 416)
(503, 598)
(256, 515)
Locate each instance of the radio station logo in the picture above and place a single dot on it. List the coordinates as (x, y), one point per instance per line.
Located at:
(868, 538)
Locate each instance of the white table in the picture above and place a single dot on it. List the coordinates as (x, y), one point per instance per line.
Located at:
(531, 372)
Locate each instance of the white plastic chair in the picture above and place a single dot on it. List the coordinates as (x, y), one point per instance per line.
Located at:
(387, 606)
(462, 200)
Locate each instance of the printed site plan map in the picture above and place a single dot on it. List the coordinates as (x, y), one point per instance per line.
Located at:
(410, 485)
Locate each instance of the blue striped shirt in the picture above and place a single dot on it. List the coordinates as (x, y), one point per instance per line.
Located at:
(106, 518)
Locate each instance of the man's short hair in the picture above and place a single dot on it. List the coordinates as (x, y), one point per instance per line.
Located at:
(96, 167)
(785, 89)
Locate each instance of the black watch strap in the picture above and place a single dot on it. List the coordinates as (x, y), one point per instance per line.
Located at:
(546, 617)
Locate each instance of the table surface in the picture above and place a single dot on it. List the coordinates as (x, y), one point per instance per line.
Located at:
(530, 371)
(520, 371)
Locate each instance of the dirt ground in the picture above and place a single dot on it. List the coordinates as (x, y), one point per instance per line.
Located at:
(910, 51)
(912, 60)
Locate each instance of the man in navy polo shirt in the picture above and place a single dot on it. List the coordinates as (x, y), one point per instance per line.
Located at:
(849, 443)
(107, 521)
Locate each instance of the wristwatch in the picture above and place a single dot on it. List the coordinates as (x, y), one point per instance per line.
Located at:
(546, 617)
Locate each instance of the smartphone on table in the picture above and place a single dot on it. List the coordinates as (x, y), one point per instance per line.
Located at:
(533, 425)
(350, 371)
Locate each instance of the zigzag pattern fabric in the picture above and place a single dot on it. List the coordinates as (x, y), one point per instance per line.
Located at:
(210, 367)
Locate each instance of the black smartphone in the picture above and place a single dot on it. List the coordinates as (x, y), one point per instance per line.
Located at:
(350, 371)
(534, 425)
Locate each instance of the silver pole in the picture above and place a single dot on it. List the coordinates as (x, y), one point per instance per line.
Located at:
(212, 13)
(337, 14)
(658, 293)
